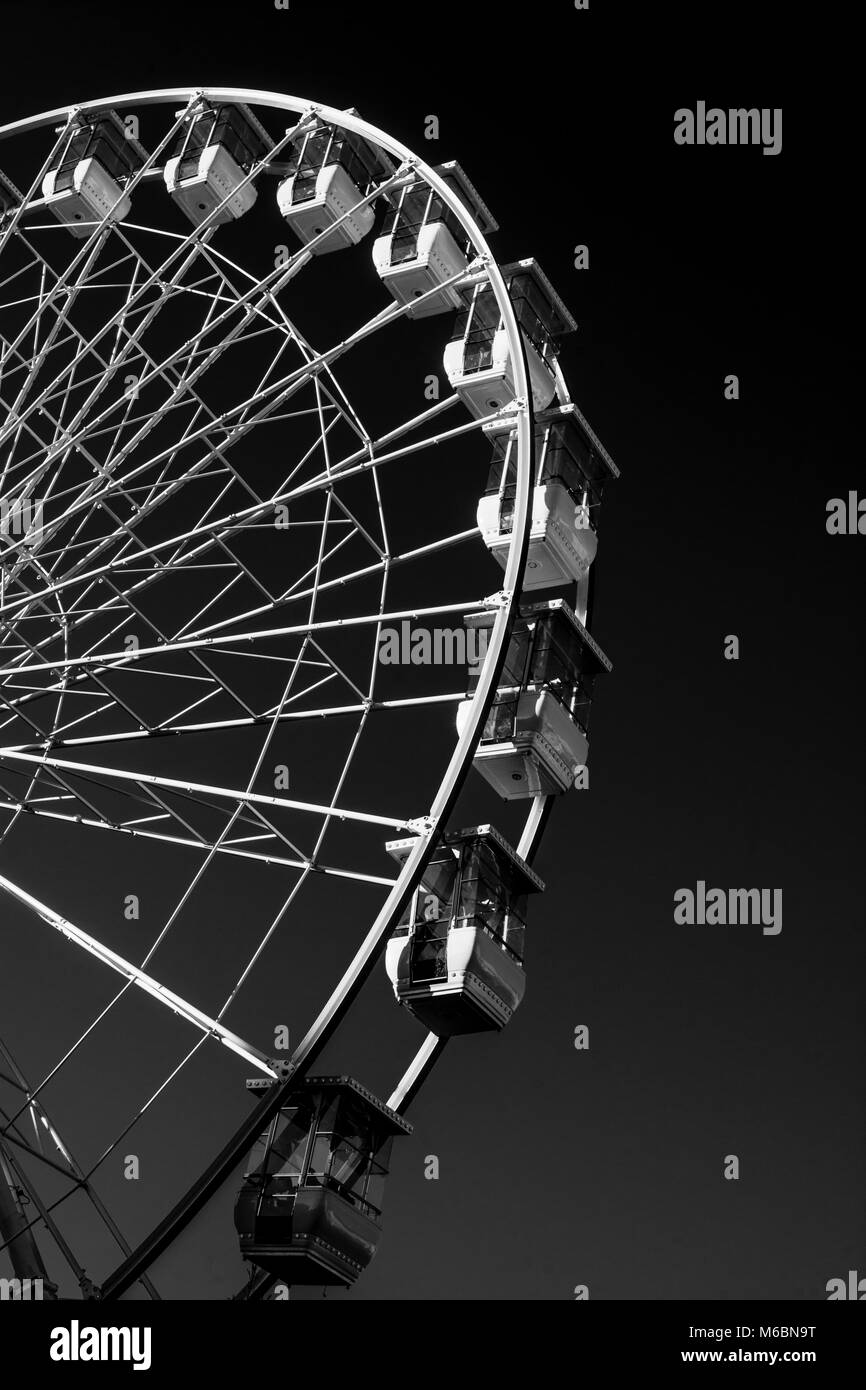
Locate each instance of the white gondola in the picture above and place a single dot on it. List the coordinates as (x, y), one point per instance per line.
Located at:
(86, 182)
(477, 361)
(423, 246)
(535, 740)
(572, 468)
(456, 960)
(329, 175)
(215, 150)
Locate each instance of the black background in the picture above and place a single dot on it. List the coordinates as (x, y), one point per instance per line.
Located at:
(605, 1167)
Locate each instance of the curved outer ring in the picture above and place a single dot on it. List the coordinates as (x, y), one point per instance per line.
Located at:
(361, 965)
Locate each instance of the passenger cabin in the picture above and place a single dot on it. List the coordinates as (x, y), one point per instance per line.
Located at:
(310, 1206)
(214, 152)
(330, 172)
(477, 360)
(571, 470)
(86, 182)
(423, 246)
(534, 740)
(456, 959)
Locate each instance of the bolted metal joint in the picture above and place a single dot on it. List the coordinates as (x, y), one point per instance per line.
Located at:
(421, 825)
(498, 600)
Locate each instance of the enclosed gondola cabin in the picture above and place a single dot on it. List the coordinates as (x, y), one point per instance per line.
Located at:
(572, 470)
(86, 182)
(329, 174)
(214, 152)
(423, 246)
(310, 1206)
(456, 960)
(535, 738)
(477, 360)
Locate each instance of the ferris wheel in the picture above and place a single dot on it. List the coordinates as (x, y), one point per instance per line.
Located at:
(233, 731)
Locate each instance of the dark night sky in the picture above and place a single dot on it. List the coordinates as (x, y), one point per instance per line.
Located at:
(605, 1167)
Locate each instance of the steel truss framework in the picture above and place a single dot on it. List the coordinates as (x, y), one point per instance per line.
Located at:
(136, 607)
